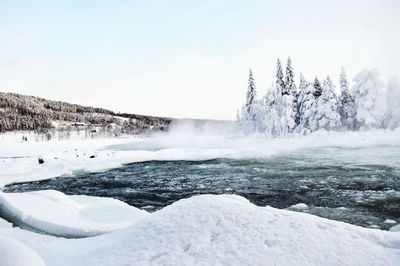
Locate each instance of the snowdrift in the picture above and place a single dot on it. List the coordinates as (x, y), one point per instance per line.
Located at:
(55, 213)
(209, 230)
(15, 253)
(223, 230)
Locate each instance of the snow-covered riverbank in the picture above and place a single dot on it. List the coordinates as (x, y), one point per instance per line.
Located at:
(19, 159)
(205, 230)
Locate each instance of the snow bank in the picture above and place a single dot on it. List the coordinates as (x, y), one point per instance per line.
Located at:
(19, 160)
(223, 230)
(209, 230)
(5, 224)
(55, 213)
(15, 253)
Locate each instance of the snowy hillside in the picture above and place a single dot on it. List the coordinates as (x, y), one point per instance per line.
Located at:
(21, 112)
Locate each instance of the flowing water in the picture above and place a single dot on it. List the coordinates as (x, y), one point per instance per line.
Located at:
(355, 185)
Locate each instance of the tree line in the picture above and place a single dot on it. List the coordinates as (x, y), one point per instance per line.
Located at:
(287, 108)
(21, 112)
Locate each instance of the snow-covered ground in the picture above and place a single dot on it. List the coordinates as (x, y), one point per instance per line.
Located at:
(19, 159)
(221, 230)
(202, 230)
(15, 253)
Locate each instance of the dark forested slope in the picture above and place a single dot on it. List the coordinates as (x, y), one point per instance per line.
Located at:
(21, 112)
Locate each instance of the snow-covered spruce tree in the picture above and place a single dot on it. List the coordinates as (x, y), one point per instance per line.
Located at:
(289, 86)
(317, 88)
(306, 107)
(346, 103)
(368, 91)
(299, 99)
(327, 114)
(279, 75)
(393, 104)
(271, 104)
(288, 108)
(287, 114)
(250, 108)
(251, 92)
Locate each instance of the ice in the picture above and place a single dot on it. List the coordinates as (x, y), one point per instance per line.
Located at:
(55, 213)
(395, 228)
(220, 230)
(15, 253)
(298, 207)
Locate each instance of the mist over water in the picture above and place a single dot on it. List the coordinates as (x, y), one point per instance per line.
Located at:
(352, 177)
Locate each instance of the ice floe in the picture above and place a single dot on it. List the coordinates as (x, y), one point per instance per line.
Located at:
(55, 213)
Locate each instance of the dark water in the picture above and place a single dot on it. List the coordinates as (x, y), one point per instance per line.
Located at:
(347, 185)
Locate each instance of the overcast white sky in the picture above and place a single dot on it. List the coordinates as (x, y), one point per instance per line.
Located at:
(186, 58)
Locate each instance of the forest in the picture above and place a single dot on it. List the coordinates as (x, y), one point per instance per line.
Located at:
(21, 112)
(365, 103)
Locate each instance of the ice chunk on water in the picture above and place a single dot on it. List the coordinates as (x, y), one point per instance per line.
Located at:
(298, 207)
(395, 228)
(55, 213)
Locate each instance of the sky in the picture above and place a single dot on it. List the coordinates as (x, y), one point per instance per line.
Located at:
(186, 58)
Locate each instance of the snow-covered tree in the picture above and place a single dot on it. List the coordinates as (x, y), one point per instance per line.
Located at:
(272, 104)
(327, 114)
(307, 108)
(250, 108)
(368, 91)
(289, 86)
(317, 88)
(299, 98)
(279, 75)
(289, 103)
(393, 104)
(346, 106)
(251, 93)
(287, 114)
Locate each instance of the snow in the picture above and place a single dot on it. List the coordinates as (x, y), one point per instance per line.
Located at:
(55, 213)
(4, 224)
(298, 207)
(201, 230)
(15, 253)
(222, 230)
(19, 160)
